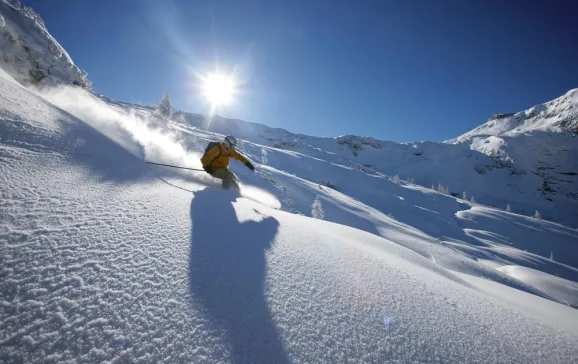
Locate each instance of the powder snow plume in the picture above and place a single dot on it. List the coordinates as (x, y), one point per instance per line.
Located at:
(140, 132)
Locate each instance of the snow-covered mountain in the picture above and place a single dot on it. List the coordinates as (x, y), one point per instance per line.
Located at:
(105, 258)
(526, 160)
(539, 148)
(30, 54)
(557, 116)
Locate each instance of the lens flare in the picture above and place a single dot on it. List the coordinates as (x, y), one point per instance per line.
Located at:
(388, 321)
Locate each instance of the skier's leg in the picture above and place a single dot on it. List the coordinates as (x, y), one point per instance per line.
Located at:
(234, 181)
(229, 179)
(220, 174)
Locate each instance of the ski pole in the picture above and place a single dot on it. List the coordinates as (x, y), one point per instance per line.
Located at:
(168, 165)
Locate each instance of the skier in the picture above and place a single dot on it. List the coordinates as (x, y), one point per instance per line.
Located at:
(216, 161)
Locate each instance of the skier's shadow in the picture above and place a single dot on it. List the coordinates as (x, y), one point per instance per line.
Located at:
(227, 276)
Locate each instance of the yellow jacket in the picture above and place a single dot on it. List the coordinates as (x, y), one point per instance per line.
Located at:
(218, 157)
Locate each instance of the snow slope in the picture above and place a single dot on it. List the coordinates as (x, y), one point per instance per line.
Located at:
(538, 145)
(526, 160)
(105, 258)
(456, 234)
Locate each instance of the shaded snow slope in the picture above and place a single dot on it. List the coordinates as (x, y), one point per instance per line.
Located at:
(105, 258)
(30, 54)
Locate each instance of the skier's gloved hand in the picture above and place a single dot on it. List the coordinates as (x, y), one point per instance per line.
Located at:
(250, 166)
(208, 169)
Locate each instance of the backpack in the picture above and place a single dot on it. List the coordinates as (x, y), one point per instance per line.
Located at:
(211, 145)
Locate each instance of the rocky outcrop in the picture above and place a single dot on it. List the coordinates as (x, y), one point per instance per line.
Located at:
(30, 54)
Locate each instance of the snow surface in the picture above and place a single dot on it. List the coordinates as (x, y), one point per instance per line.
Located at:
(108, 259)
(562, 289)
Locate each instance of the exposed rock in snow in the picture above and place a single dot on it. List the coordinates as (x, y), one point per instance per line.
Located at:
(555, 116)
(500, 116)
(31, 55)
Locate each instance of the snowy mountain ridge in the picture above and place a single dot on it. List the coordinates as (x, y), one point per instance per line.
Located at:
(558, 115)
(526, 160)
(30, 54)
(529, 165)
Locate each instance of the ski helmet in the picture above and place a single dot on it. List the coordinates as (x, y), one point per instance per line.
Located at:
(230, 142)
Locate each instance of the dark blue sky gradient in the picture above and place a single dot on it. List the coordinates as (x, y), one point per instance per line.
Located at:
(395, 70)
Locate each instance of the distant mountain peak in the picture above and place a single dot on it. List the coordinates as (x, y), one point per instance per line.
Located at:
(558, 115)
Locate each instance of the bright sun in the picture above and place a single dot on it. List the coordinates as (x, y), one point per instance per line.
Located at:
(218, 88)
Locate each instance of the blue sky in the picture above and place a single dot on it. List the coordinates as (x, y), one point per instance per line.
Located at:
(394, 70)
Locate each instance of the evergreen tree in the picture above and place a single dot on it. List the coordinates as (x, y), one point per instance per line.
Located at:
(164, 107)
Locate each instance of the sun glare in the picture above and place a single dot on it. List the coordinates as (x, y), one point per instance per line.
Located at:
(218, 88)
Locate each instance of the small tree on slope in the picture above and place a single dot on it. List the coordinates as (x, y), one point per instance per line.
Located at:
(316, 209)
(442, 189)
(164, 107)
